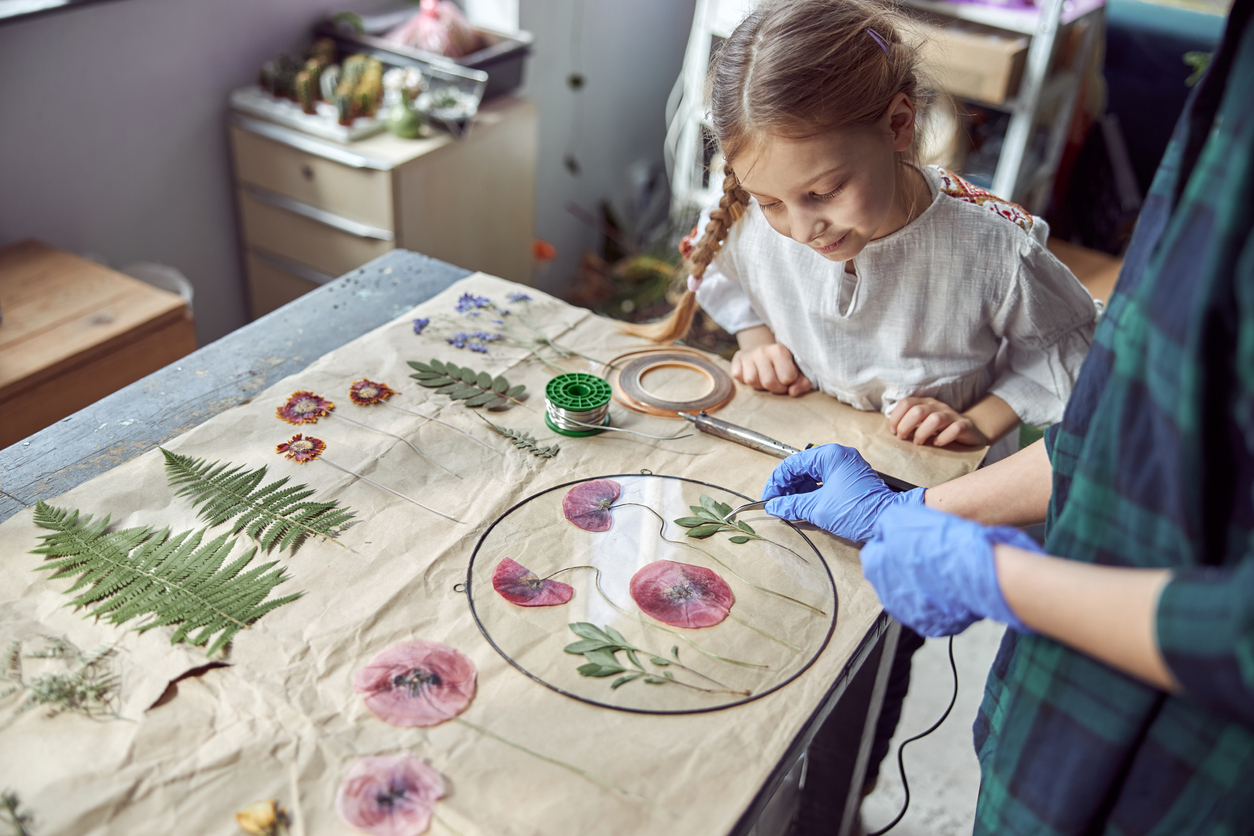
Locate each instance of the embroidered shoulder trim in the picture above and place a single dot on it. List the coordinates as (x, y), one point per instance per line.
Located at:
(954, 186)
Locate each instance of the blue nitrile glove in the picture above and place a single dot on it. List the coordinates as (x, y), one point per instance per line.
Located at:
(848, 503)
(935, 573)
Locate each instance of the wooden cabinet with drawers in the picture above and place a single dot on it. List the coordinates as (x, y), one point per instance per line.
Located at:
(312, 209)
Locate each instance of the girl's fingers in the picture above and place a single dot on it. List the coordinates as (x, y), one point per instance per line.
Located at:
(800, 386)
(948, 435)
(911, 419)
(782, 365)
(929, 427)
(898, 412)
(737, 368)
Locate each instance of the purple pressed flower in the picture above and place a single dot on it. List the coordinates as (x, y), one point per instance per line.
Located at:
(519, 297)
(469, 302)
(479, 347)
(420, 324)
(458, 340)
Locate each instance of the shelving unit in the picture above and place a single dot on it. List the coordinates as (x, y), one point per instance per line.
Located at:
(1020, 175)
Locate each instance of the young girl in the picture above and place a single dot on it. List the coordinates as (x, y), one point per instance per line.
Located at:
(842, 266)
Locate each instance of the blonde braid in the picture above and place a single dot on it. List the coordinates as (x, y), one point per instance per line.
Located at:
(731, 207)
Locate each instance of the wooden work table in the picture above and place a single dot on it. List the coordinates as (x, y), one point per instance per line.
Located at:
(228, 373)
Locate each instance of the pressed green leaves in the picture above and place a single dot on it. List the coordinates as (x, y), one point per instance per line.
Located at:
(86, 685)
(174, 579)
(599, 646)
(275, 515)
(524, 440)
(462, 383)
(708, 518)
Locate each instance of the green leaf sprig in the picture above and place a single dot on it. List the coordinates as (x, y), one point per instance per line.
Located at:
(11, 815)
(708, 519)
(272, 515)
(89, 687)
(462, 383)
(524, 440)
(600, 647)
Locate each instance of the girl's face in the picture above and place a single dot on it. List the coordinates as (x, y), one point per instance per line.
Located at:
(836, 191)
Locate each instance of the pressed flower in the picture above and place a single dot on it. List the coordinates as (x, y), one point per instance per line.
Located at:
(366, 392)
(519, 297)
(519, 585)
(304, 408)
(390, 795)
(421, 324)
(418, 683)
(469, 302)
(302, 448)
(587, 505)
(263, 818)
(681, 594)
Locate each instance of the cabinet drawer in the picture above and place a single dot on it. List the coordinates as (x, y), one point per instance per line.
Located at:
(322, 246)
(361, 194)
(273, 283)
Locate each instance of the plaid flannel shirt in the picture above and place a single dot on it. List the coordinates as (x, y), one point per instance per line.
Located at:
(1154, 467)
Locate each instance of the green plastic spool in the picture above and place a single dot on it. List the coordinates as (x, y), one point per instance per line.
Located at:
(577, 392)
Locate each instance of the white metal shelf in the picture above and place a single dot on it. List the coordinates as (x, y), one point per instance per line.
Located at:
(1021, 20)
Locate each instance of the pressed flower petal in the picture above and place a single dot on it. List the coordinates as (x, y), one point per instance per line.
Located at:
(519, 585)
(418, 683)
(587, 505)
(390, 795)
(681, 595)
(302, 448)
(366, 392)
(304, 408)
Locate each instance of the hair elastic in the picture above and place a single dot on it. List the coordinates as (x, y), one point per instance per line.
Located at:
(879, 39)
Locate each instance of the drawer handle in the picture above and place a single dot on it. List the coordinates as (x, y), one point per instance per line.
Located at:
(300, 271)
(322, 216)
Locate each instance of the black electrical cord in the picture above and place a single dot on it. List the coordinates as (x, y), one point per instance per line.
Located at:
(901, 761)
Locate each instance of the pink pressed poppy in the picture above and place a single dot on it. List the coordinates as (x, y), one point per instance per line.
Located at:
(587, 505)
(418, 683)
(390, 795)
(519, 585)
(681, 595)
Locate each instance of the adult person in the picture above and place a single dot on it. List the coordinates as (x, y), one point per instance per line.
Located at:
(1122, 698)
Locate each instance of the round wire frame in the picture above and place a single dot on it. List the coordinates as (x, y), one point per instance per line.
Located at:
(482, 563)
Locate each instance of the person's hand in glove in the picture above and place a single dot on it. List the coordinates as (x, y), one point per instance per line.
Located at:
(935, 572)
(849, 501)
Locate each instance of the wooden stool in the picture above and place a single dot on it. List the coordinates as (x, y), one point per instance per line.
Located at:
(74, 331)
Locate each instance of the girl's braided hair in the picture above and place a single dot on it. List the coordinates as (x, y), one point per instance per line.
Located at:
(795, 69)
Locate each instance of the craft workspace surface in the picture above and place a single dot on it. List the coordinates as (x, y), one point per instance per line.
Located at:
(281, 718)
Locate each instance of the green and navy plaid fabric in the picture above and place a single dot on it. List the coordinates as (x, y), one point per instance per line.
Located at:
(1154, 467)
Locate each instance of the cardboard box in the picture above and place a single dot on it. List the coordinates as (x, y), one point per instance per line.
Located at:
(972, 61)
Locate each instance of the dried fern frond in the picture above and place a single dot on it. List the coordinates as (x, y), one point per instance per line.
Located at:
(11, 814)
(273, 515)
(525, 441)
(173, 579)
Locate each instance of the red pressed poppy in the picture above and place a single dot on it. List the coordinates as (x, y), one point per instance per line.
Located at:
(681, 595)
(304, 408)
(302, 448)
(587, 505)
(390, 795)
(367, 392)
(519, 585)
(418, 683)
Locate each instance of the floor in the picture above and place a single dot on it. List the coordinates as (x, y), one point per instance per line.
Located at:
(942, 770)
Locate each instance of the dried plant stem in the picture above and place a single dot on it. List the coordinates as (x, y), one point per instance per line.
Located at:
(445, 423)
(763, 632)
(446, 825)
(398, 438)
(662, 534)
(674, 633)
(389, 490)
(609, 785)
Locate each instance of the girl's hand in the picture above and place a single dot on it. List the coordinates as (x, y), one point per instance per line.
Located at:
(927, 419)
(770, 367)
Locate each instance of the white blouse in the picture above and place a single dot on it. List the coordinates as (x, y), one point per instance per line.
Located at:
(963, 301)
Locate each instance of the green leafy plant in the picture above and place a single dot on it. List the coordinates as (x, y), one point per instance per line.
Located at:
(89, 688)
(600, 647)
(709, 519)
(465, 384)
(11, 814)
(174, 579)
(274, 515)
(524, 440)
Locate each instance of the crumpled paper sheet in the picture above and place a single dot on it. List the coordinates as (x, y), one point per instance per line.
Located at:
(281, 720)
